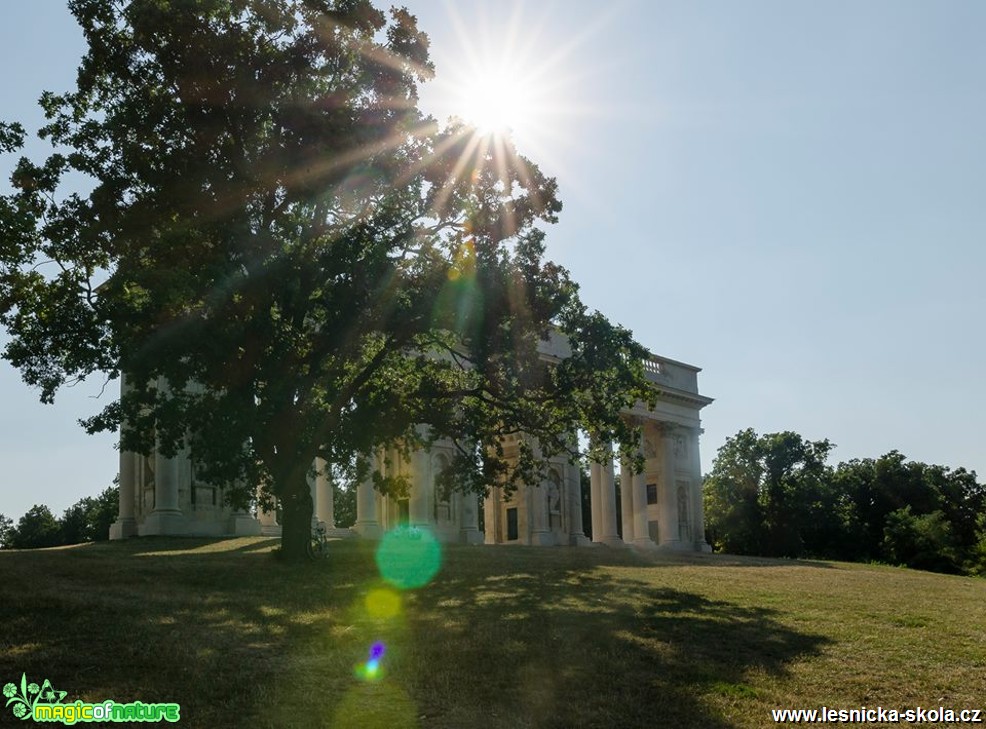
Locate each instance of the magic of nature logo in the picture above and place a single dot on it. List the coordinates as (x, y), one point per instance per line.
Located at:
(45, 703)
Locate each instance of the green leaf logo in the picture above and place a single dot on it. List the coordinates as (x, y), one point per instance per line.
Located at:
(49, 694)
(30, 695)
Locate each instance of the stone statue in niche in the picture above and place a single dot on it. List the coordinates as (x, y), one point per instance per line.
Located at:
(148, 492)
(554, 497)
(650, 450)
(679, 445)
(148, 469)
(443, 506)
(554, 501)
(441, 497)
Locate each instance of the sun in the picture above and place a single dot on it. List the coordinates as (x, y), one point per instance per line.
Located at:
(506, 76)
(498, 101)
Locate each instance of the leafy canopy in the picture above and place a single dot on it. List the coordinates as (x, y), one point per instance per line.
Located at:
(288, 259)
(774, 495)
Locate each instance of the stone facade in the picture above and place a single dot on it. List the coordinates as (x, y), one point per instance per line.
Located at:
(659, 508)
(161, 495)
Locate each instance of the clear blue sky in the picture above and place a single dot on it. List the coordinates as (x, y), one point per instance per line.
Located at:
(790, 195)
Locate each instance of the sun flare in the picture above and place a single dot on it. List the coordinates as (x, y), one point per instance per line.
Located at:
(505, 74)
(496, 101)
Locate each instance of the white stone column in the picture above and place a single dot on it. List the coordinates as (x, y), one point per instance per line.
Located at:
(607, 506)
(324, 501)
(573, 492)
(540, 529)
(537, 501)
(640, 521)
(491, 517)
(698, 503)
(366, 524)
(595, 500)
(469, 518)
(641, 532)
(666, 493)
(422, 489)
(626, 500)
(126, 522)
(167, 517)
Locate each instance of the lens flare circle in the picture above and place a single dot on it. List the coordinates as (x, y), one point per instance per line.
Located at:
(409, 557)
(383, 603)
(370, 671)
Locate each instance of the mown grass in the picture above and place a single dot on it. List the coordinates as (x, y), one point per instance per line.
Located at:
(502, 637)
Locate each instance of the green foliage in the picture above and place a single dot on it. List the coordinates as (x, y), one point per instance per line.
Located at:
(924, 542)
(104, 511)
(585, 483)
(768, 495)
(876, 488)
(6, 531)
(74, 524)
(37, 528)
(773, 495)
(89, 519)
(288, 260)
(976, 560)
(344, 505)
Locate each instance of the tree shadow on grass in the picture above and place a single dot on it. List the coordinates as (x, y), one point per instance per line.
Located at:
(219, 632)
(526, 638)
(576, 648)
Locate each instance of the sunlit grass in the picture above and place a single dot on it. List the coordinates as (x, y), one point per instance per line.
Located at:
(502, 637)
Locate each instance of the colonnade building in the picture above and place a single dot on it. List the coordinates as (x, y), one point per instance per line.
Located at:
(659, 507)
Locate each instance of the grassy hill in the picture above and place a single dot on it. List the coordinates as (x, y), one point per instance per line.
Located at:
(501, 637)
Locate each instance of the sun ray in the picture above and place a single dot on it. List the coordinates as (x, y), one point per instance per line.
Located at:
(457, 170)
(507, 73)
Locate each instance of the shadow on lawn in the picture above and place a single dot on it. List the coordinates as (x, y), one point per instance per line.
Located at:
(571, 648)
(220, 632)
(240, 639)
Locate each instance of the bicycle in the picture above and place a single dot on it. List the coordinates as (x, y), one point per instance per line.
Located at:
(318, 544)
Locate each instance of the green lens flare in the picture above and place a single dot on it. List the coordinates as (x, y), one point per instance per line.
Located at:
(409, 557)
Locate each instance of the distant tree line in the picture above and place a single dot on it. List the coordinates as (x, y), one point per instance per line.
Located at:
(774, 495)
(88, 520)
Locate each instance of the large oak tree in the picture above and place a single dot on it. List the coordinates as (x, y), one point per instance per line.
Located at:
(289, 260)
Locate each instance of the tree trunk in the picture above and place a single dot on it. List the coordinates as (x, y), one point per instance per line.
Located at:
(296, 514)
